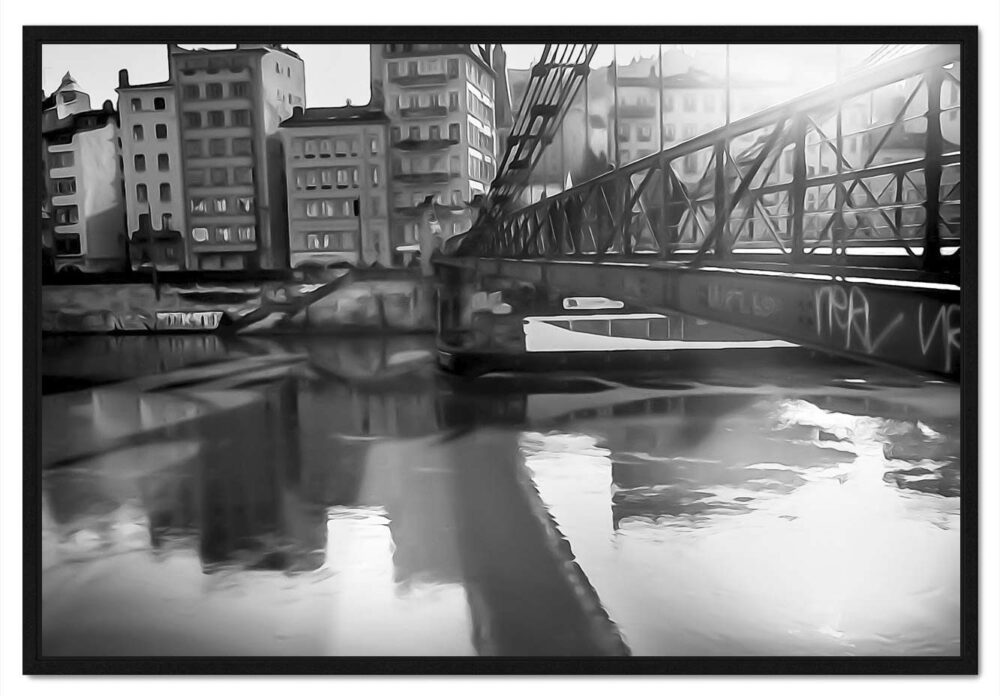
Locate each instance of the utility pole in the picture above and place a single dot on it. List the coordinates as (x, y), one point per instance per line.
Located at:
(614, 65)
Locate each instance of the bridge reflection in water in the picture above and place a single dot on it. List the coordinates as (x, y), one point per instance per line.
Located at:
(318, 496)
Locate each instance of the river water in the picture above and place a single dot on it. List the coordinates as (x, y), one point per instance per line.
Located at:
(341, 496)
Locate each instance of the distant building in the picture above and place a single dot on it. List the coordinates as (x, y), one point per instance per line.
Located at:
(83, 181)
(335, 176)
(151, 165)
(440, 102)
(231, 103)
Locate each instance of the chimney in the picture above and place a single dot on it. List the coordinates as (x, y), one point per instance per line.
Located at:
(122, 78)
(297, 111)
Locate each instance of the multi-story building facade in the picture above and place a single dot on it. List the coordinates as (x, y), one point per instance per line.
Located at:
(440, 102)
(151, 166)
(231, 103)
(335, 175)
(83, 181)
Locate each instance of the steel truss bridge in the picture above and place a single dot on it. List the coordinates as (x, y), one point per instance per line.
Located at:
(833, 220)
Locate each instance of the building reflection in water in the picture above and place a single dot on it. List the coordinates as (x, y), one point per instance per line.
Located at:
(361, 503)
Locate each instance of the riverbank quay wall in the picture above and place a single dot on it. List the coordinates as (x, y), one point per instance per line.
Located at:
(346, 300)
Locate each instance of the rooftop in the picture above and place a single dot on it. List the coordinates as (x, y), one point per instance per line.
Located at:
(334, 115)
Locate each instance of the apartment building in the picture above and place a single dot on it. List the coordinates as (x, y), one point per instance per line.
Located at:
(83, 180)
(440, 102)
(335, 175)
(151, 165)
(231, 103)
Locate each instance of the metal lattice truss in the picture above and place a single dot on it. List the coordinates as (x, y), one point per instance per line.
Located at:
(873, 161)
(553, 84)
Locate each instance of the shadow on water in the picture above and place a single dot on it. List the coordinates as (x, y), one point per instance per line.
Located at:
(344, 497)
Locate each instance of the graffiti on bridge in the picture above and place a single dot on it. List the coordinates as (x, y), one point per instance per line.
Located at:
(944, 332)
(847, 315)
(726, 298)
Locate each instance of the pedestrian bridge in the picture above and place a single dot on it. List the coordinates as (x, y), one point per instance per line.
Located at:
(833, 221)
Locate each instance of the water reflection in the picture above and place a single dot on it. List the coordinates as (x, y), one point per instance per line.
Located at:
(318, 496)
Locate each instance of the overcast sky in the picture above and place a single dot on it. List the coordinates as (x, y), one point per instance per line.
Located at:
(338, 72)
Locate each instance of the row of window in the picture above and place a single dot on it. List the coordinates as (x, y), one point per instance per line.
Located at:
(67, 245)
(432, 66)
(142, 193)
(220, 176)
(480, 169)
(159, 104)
(644, 133)
(479, 108)
(218, 147)
(159, 129)
(224, 233)
(61, 159)
(424, 165)
(331, 241)
(222, 205)
(433, 133)
(310, 148)
(162, 162)
(216, 90)
(327, 208)
(425, 100)
(406, 200)
(479, 139)
(334, 177)
(216, 118)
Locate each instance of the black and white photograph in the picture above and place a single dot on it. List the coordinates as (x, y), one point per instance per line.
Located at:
(645, 349)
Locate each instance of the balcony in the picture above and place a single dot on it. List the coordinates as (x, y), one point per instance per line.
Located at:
(637, 111)
(417, 80)
(423, 177)
(415, 211)
(433, 111)
(424, 144)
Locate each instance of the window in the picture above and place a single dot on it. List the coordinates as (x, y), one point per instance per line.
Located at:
(435, 133)
(195, 177)
(342, 175)
(668, 103)
(66, 215)
(159, 104)
(394, 134)
(137, 105)
(411, 67)
(216, 119)
(161, 131)
(325, 148)
(192, 148)
(689, 103)
(241, 117)
(217, 147)
(200, 234)
(340, 148)
(219, 177)
(68, 97)
(454, 131)
(244, 204)
(452, 67)
(213, 90)
(243, 175)
(373, 145)
(310, 149)
(221, 205)
(166, 221)
(199, 205)
(313, 241)
(242, 146)
(60, 159)
(452, 101)
(137, 133)
(163, 162)
(245, 233)
(645, 133)
(376, 176)
(625, 155)
(669, 132)
(223, 234)
(414, 132)
(624, 131)
(240, 89)
(688, 130)
(140, 163)
(191, 92)
(68, 245)
(62, 187)
(691, 163)
(165, 193)
(192, 119)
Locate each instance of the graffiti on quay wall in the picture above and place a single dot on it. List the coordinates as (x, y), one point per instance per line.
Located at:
(846, 316)
(944, 332)
(188, 321)
(727, 298)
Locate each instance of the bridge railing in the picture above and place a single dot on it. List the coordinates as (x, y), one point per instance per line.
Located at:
(871, 164)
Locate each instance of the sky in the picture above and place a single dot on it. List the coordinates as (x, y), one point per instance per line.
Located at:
(336, 73)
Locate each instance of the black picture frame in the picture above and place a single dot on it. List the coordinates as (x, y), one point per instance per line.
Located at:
(964, 664)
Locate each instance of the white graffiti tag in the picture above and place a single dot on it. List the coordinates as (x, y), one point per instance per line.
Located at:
(945, 332)
(846, 315)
